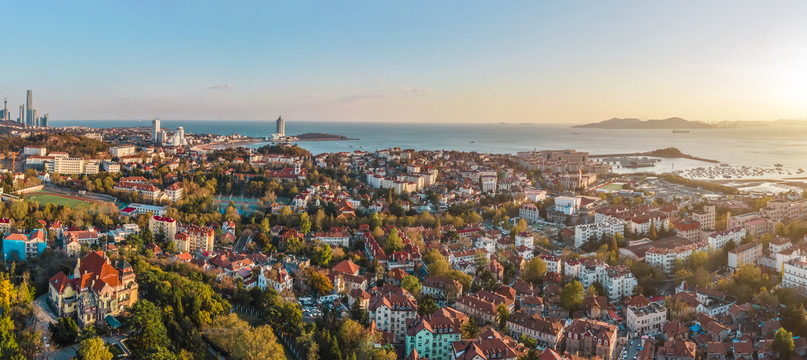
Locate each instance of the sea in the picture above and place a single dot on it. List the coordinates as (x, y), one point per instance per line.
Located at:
(753, 152)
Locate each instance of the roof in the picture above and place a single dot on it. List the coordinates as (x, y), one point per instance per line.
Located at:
(347, 267)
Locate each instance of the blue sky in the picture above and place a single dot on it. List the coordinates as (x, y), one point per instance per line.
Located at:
(463, 61)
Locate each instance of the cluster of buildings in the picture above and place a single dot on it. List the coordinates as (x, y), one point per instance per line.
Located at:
(29, 115)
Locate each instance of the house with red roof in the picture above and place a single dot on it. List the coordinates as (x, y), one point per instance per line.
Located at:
(96, 290)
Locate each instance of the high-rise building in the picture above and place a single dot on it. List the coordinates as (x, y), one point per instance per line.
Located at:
(21, 119)
(36, 117)
(45, 121)
(30, 108)
(5, 116)
(155, 130)
(281, 127)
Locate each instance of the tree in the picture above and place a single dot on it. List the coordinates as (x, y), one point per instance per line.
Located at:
(534, 270)
(393, 242)
(571, 297)
(783, 343)
(9, 348)
(225, 331)
(411, 284)
(305, 223)
(504, 315)
(470, 329)
(259, 343)
(321, 284)
(652, 233)
(148, 330)
(94, 349)
(480, 261)
(65, 332)
(322, 255)
(426, 305)
(794, 319)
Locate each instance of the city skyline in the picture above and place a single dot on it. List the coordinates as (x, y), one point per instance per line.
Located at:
(419, 62)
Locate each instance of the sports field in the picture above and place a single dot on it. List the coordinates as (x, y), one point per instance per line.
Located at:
(613, 187)
(44, 197)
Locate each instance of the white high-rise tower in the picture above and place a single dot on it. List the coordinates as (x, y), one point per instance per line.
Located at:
(281, 127)
(155, 130)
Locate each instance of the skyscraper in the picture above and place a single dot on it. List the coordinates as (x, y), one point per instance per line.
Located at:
(281, 127)
(155, 130)
(36, 117)
(30, 108)
(6, 116)
(21, 119)
(45, 121)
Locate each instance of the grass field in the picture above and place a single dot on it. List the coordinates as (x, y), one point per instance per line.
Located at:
(613, 187)
(56, 199)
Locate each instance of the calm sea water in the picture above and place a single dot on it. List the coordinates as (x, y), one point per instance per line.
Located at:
(761, 146)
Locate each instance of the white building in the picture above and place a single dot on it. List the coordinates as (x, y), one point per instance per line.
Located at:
(568, 205)
(664, 258)
(719, 239)
(534, 195)
(525, 239)
(34, 150)
(488, 184)
(585, 232)
(646, 320)
(391, 311)
(118, 151)
(795, 274)
(529, 212)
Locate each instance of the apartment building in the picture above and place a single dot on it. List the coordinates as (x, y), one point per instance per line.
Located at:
(607, 228)
(646, 319)
(391, 310)
(590, 338)
(120, 151)
(166, 225)
(192, 237)
(664, 257)
(431, 336)
(744, 254)
(794, 273)
(719, 239)
(706, 217)
(547, 333)
(529, 212)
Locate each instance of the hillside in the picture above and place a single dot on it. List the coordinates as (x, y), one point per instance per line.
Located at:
(632, 123)
(74, 145)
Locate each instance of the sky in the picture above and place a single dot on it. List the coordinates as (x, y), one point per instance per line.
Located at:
(407, 61)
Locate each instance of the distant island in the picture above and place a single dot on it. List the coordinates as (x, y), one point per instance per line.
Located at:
(670, 153)
(631, 123)
(321, 137)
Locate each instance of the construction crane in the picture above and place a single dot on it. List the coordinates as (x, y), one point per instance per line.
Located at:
(14, 161)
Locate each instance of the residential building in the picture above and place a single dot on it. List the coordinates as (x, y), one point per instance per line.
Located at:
(690, 230)
(589, 338)
(529, 212)
(334, 237)
(34, 150)
(174, 191)
(664, 257)
(568, 205)
(705, 218)
(524, 239)
(165, 225)
(191, 238)
(646, 319)
(547, 333)
(431, 336)
(96, 290)
(391, 310)
(275, 277)
(490, 345)
(119, 151)
(719, 239)
(19, 247)
(441, 288)
(794, 273)
(744, 254)
(677, 350)
(587, 232)
(83, 237)
(67, 166)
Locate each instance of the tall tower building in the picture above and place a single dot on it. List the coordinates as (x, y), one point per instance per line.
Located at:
(155, 130)
(6, 116)
(29, 101)
(45, 121)
(36, 117)
(21, 119)
(281, 127)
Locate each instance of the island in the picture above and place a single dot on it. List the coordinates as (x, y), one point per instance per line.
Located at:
(633, 123)
(320, 137)
(670, 153)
